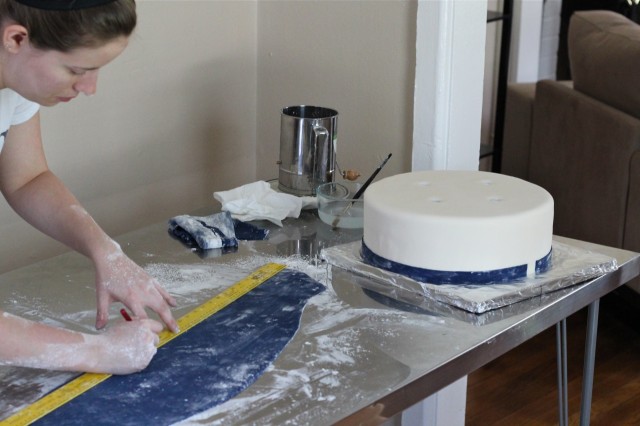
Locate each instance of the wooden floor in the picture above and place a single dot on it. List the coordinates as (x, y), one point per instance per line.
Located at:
(520, 388)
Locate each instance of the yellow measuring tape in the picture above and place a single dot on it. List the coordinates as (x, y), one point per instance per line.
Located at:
(86, 381)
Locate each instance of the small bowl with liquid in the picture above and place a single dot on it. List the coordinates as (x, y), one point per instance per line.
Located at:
(337, 207)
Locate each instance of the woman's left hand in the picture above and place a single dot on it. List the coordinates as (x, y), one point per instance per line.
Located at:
(37, 195)
(119, 279)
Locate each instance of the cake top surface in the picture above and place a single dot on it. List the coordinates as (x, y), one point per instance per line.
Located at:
(457, 194)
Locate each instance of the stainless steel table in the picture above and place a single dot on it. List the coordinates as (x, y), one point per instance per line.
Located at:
(354, 349)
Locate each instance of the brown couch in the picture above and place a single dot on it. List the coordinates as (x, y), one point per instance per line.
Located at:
(581, 140)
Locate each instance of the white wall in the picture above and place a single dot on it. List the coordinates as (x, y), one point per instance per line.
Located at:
(173, 120)
(550, 39)
(492, 54)
(193, 105)
(525, 41)
(357, 57)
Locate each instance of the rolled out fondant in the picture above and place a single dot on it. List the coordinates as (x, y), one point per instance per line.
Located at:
(203, 367)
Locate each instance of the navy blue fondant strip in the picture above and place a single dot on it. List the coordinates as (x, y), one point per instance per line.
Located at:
(204, 367)
(543, 265)
(432, 276)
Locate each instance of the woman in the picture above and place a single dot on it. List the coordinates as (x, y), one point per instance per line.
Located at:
(51, 52)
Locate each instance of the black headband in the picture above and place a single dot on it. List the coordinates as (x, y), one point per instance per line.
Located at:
(63, 4)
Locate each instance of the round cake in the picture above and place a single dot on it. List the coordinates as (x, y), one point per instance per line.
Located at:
(458, 227)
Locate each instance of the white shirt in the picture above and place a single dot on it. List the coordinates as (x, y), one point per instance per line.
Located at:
(14, 109)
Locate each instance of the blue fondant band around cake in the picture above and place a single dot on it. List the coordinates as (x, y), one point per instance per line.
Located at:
(496, 276)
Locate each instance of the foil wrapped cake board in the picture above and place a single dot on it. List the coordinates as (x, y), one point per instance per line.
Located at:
(570, 265)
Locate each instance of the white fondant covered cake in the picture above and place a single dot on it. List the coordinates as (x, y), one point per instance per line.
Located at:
(458, 226)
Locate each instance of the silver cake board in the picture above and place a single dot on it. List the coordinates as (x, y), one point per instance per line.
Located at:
(570, 265)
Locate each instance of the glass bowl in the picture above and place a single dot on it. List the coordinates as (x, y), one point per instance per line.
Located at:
(337, 207)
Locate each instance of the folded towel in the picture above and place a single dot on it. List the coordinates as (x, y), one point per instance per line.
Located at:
(208, 232)
(258, 201)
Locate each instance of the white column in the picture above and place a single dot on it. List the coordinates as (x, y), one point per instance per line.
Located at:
(450, 46)
(445, 408)
(450, 51)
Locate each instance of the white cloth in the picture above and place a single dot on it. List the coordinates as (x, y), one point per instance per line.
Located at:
(14, 109)
(258, 201)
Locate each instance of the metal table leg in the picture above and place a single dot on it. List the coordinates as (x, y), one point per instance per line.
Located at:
(561, 355)
(589, 362)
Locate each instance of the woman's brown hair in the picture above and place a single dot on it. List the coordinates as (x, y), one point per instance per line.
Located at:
(69, 29)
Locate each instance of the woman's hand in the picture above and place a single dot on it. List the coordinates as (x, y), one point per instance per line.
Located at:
(41, 198)
(125, 347)
(119, 279)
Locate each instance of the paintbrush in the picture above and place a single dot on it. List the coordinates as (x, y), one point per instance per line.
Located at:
(359, 192)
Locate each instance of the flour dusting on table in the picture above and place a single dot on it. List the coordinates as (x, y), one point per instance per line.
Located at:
(312, 366)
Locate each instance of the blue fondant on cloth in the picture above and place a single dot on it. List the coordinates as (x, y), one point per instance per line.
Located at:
(203, 367)
(248, 232)
(208, 232)
(217, 231)
(432, 276)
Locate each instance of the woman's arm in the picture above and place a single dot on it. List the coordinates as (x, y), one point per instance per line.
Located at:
(125, 347)
(37, 195)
